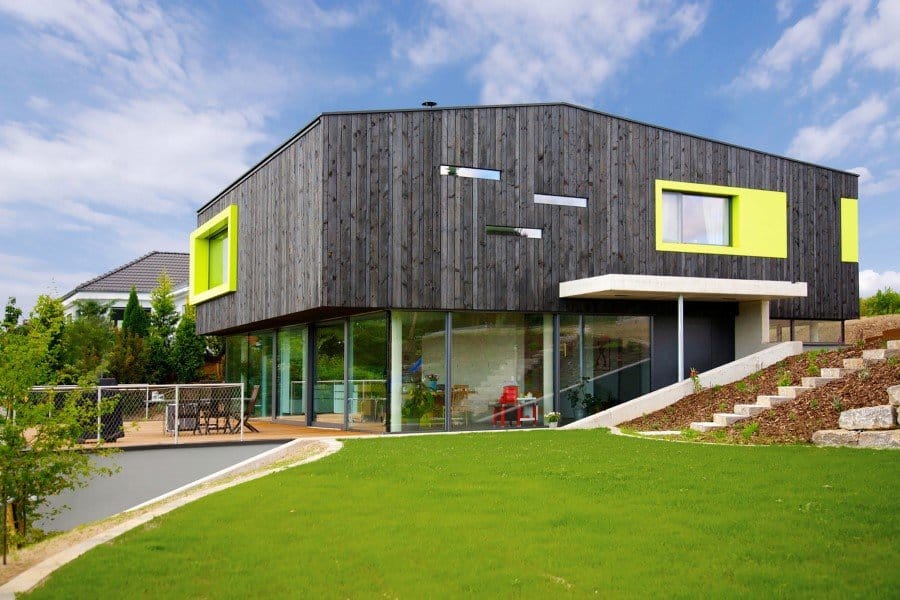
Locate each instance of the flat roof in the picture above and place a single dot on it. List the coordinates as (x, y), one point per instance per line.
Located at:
(664, 287)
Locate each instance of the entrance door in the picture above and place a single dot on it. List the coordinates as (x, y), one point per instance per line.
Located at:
(329, 394)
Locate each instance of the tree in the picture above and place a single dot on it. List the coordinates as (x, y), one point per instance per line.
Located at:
(188, 349)
(12, 314)
(135, 319)
(128, 358)
(49, 314)
(37, 435)
(87, 341)
(163, 319)
(884, 302)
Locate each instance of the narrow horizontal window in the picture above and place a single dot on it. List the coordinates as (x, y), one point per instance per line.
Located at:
(513, 231)
(470, 172)
(696, 219)
(560, 200)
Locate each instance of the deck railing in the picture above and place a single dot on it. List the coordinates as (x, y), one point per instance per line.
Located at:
(152, 414)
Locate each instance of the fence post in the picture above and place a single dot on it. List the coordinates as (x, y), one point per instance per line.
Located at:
(99, 420)
(177, 424)
(241, 424)
(147, 404)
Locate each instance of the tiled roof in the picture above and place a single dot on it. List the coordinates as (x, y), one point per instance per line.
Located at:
(142, 273)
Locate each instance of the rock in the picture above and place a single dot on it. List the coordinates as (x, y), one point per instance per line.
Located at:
(835, 437)
(894, 395)
(879, 439)
(873, 417)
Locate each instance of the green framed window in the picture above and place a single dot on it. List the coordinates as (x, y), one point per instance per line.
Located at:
(213, 262)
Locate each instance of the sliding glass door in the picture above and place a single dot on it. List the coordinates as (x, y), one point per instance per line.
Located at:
(329, 391)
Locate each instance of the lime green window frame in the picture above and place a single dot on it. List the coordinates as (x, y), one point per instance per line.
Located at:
(213, 262)
(758, 220)
(849, 230)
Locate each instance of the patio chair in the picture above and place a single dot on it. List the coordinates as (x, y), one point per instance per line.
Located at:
(249, 407)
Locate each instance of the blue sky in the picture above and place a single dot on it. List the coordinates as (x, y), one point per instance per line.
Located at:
(119, 119)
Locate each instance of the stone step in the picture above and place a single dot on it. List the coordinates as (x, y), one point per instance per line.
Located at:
(792, 391)
(893, 344)
(854, 364)
(771, 401)
(815, 382)
(880, 354)
(704, 426)
(726, 419)
(894, 395)
(750, 410)
(837, 373)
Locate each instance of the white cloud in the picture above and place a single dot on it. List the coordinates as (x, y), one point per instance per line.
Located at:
(542, 50)
(871, 281)
(25, 278)
(783, 9)
(307, 14)
(857, 125)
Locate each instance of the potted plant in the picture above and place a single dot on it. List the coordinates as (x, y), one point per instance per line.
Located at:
(552, 419)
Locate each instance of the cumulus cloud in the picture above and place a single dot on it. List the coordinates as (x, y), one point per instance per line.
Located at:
(815, 143)
(540, 50)
(871, 281)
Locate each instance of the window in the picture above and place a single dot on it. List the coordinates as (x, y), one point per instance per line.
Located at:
(213, 262)
(560, 200)
(513, 231)
(472, 172)
(696, 219)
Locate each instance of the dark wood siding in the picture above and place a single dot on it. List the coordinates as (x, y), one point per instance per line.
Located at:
(388, 231)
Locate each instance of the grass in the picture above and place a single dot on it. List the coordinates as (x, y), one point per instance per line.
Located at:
(530, 514)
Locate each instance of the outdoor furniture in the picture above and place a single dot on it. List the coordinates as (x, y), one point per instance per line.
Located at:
(217, 415)
(189, 417)
(459, 404)
(508, 402)
(249, 407)
(527, 410)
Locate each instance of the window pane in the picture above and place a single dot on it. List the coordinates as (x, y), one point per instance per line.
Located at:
(328, 399)
(218, 258)
(291, 373)
(418, 374)
(367, 388)
(671, 217)
(817, 332)
(704, 220)
(471, 172)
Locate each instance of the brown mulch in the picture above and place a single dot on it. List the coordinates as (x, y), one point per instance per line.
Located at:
(793, 422)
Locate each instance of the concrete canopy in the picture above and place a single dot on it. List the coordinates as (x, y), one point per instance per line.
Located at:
(659, 287)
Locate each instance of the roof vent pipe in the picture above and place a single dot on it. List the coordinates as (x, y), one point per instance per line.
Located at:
(429, 104)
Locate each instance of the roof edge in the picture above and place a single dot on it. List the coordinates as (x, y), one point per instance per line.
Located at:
(83, 284)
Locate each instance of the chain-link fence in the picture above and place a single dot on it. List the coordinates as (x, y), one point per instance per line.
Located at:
(154, 414)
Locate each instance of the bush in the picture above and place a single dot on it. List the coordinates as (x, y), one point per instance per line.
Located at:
(884, 302)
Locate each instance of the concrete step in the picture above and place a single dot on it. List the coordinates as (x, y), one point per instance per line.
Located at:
(837, 373)
(792, 391)
(704, 426)
(816, 381)
(726, 419)
(880, 354)
(893, 344)
(771, 401)
(854, 364)
(750, 410)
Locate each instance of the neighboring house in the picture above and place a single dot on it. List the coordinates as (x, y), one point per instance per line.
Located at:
(142, 273)
(402, 270)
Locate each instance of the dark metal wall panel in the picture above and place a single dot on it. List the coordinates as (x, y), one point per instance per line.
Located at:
(380, 227)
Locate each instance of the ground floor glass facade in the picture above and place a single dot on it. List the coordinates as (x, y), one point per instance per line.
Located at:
(411, 371)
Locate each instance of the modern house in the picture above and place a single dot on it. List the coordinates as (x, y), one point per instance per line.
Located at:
(478, 267)
(143, 273)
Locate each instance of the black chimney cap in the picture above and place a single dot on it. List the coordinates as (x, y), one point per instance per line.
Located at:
(429, 103)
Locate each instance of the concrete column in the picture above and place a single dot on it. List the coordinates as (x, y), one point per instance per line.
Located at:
(680, 338)
(751, 328)
(396, 372)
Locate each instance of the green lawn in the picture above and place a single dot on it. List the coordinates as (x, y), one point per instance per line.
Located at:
(579, 513)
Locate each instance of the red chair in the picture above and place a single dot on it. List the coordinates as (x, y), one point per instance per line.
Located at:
(509, 400)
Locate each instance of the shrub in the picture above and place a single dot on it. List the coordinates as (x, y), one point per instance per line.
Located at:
(749, 430)
(785, 378)
(884, 302)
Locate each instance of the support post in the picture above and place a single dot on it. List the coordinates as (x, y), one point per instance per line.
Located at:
(680, 337)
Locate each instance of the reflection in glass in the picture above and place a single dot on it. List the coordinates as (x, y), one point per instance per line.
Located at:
(603, 361)
(259, 370)
(501, 369)
(291, 371)
(368, 372)
(328, 398)
(418, 375)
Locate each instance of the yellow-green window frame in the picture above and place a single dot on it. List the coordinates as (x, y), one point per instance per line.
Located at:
(207, 253)
(758, 220)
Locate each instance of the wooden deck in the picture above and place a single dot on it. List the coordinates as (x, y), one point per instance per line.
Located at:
(150, 433)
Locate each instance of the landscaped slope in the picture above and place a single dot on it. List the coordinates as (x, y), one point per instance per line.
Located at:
(526, 514)
(793, 422)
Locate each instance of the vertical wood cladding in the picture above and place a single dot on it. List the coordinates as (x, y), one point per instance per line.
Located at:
(354, 214)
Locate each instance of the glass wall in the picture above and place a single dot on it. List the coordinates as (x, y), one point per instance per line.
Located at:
(779, 330)
(603, 361)
(329, 395)
(260, 350)
(367, 387)
(418, 371)
(292, 376)
(501, 369)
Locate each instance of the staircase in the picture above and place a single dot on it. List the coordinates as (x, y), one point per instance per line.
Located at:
(788, 393)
